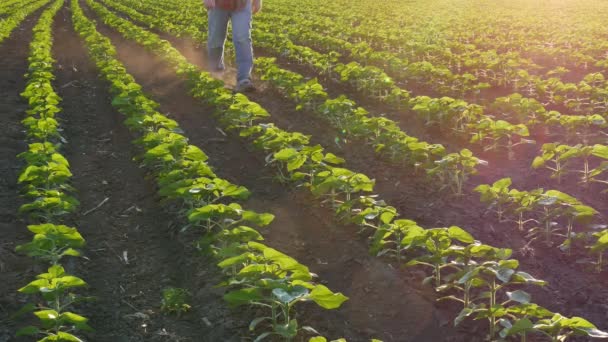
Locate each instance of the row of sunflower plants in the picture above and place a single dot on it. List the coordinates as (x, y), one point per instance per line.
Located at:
(9, 3)
(583, 128)
(460, 265)
(382, 133)
(17, 16)
(590, 162)
(588, 96)
(586, 163)
(46, 186)
(10, 6)
(256, 274)
(548, 216)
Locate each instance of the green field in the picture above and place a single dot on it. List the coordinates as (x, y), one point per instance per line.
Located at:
(405, 171)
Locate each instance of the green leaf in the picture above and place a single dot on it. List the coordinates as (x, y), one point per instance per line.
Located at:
(528, 279)
(261, 220)
(327, 299)
(333, 159)
(289, 330)
(460, 234)
(502, 183)
(285, 154)
(27, 308)
(71, 281)
(538, 162)
(71, 252)
(243, 296)
(73, 318)
(63, 337)
(194, 153)
(519, 296)
(521, 326)
(468, 276)
(504, 274)
(595, 333)
(533, 310)
(600, 151)
(414, 233)
(287, 297)
(34, 286)
(296, 163)
(317, 339)
(387, 216)
(47, 315)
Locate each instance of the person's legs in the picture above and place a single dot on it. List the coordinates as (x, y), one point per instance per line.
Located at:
(241, 37)
(218, 27)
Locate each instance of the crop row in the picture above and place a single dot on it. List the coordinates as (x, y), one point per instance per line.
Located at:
(460, 266)
(255, 273)
(547, 216)
(17, 16)
(10, 6)
(383, 134)
(45, 181)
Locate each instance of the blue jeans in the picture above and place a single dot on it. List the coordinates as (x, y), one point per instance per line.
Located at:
(241, 37)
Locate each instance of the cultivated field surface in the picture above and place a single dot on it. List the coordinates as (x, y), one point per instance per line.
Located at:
(426, 170)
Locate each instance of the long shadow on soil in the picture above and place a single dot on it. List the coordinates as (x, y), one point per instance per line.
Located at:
(382, 302)
(133, 252)
(15, 270)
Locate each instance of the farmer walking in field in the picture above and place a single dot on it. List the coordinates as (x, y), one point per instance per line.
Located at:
(240, 13)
